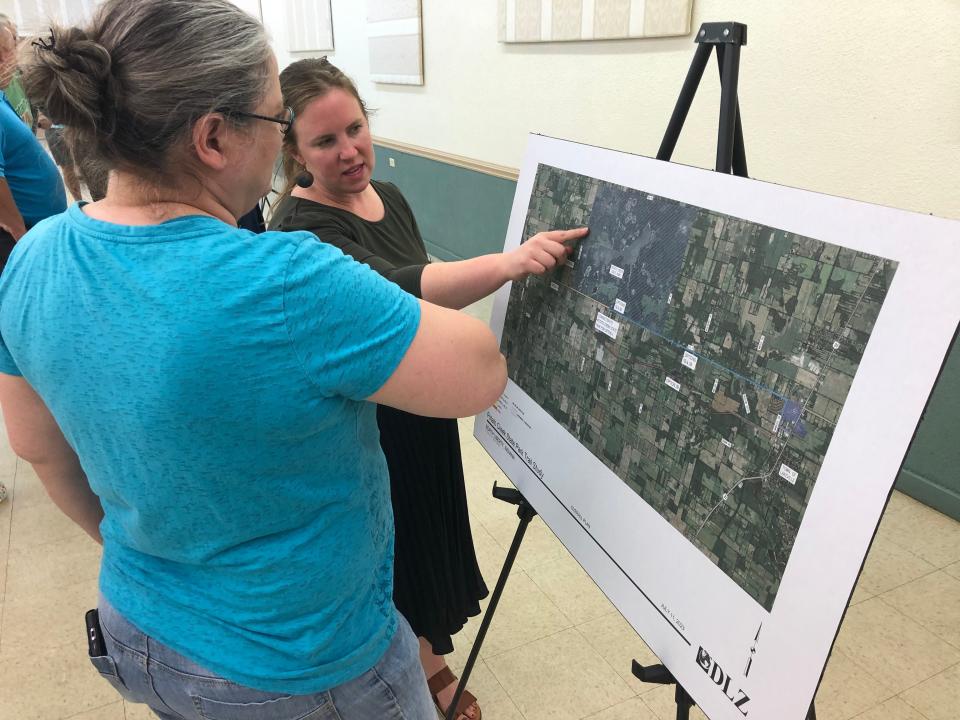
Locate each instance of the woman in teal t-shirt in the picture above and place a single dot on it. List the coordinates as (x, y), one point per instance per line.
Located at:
(200, 398)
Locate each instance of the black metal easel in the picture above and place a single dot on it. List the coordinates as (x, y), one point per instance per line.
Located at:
(526, 513)
(727, 38)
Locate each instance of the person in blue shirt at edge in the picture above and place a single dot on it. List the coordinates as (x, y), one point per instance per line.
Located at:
(30, 185)
(31, 188)
(201, 399)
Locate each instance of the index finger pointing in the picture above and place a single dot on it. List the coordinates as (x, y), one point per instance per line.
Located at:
(571, 236)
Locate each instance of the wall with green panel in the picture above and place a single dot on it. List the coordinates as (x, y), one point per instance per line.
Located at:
(463, 213)
(931, 472)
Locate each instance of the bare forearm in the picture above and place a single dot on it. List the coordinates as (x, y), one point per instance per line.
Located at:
(35, 436)
(10, 217)
(457, 284)
(66, 484)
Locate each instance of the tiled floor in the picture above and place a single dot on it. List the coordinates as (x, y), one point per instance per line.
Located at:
(557, 649)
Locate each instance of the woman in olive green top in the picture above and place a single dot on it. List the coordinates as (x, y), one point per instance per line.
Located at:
(329, 159)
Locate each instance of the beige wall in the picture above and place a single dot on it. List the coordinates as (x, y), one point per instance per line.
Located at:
(853, 98)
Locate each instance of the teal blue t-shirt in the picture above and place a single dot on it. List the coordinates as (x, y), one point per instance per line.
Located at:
(212, 382)
(29, 170)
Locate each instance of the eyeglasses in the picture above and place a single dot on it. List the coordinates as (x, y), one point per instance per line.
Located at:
(285, 122)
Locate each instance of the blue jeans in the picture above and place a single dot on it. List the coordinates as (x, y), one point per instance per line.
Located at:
(144, 671)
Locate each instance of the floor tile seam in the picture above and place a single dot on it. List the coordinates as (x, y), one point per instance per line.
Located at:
(99, 707)
(919, 577)
(552, 603)
(506, 693)
(612, 668)
(884, 696)
(6, 555)
(514, 649)
(51, 649)
(485, 602)
(499, 681)
(635, 696)
(913, 707)
(82, 547)
(573, 622)
(21, 548)
(885, 686)
(907, 549)
(18, 596)
(522, 645)
(526, 566)
(611, 611)
(922, 625)
(24, 505)
(506, 546)
(866, 671)
(547, 597)
(918, 684)
(494, 537)
(863, 714)
(514, 701)
(910, 551)
(61, 589)
(651, 708)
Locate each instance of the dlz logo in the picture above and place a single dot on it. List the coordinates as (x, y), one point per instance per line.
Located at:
(739, 699)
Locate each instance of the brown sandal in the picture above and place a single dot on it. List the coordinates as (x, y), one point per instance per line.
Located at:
(442, 679)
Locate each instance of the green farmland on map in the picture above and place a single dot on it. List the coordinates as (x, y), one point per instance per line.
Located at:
(702, 358)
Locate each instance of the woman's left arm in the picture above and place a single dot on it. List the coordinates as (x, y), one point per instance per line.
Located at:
(35, 436)
(457, 284)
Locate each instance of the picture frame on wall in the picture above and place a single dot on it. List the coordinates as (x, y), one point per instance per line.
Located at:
(310, 24)
(529, 21)
(395, 40)
(34, 16)
(251, 7)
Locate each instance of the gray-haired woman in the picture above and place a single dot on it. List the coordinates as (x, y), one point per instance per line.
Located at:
(198, 396)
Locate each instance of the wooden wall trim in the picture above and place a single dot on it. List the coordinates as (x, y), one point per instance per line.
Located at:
(500, 171)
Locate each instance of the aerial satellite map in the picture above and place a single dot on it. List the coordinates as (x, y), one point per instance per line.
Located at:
(703, 358)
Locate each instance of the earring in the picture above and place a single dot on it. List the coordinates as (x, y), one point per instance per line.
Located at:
(304, 179)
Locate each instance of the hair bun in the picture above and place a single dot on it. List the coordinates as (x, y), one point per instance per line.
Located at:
(70, 77)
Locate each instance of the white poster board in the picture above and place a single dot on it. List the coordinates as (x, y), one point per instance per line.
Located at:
(710, 404)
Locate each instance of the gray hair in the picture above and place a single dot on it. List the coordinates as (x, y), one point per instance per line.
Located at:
(134, 82)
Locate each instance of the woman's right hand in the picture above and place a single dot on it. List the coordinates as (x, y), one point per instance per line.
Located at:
(541, 253)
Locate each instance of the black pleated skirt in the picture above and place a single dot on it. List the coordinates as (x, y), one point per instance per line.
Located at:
(437, 582)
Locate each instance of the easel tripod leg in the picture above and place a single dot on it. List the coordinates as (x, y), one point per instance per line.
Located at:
(739, 150)
(684, 101)
(684, 703)
(729, 107)
(526, 513)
